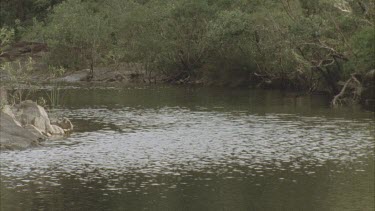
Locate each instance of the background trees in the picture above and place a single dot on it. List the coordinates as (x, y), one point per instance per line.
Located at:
(300, 44)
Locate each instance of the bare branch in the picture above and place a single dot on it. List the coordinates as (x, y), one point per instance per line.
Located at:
(342, 92)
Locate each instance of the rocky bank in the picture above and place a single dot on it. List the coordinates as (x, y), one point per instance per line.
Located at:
(27, 124)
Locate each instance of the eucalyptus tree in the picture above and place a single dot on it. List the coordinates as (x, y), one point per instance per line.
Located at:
(78, 33)
(286, 43)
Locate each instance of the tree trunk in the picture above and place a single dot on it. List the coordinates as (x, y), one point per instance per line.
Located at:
(3, 96)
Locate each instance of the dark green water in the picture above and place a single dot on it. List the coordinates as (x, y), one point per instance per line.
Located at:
(170, 148)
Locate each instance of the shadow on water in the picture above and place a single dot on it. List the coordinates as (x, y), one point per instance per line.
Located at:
(178, 148)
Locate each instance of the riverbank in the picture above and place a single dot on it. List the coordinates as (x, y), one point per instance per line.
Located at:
(25, 62)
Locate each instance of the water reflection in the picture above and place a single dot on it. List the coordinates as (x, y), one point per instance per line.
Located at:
(196, 152)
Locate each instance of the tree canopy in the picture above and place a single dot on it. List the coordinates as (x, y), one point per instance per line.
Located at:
(282, 43)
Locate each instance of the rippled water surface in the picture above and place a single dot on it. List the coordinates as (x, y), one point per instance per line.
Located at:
(170, 148)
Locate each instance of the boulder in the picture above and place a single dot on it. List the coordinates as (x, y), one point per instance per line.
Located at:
(369, 78)
(30, 113)
(27, 124)
(75, 77)
(7, 110)
(56, 130)
(13, 135)
(65, 124)
(34, 130)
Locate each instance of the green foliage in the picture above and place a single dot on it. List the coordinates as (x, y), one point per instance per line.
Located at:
(284, 41)
(6, 37)
(79, 32)
(363, 43)
(19, 73)
(20, 14)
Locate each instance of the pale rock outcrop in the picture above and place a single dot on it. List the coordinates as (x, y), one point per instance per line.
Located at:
(30, 113)
(65, 124)
(27, 124)
(13, 135)
(34, 130)
(75, 77)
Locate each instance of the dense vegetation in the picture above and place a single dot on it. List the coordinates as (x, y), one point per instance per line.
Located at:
(298, 44)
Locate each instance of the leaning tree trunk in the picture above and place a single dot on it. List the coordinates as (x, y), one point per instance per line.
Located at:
(3, 96)
(353, 96)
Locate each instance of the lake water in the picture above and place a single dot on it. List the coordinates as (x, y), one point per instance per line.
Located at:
(181, 148)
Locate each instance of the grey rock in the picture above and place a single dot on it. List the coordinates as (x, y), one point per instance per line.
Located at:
(13, 135)
(56, 130)
(34, 130)
(27, 124)
(78, 76)
(65, 124)
(30, 113)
